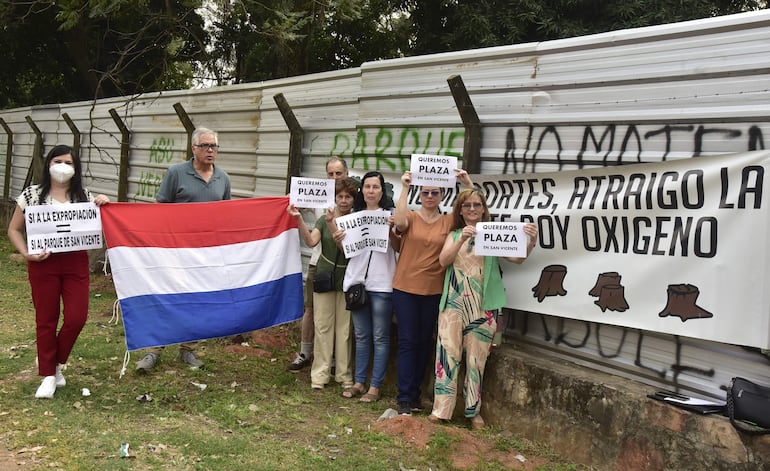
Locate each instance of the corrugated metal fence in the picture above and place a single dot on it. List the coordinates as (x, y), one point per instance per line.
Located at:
(645, 95)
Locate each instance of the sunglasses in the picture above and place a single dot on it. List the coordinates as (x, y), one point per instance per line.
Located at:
(430, 192)
(473, 205)
(207, 146)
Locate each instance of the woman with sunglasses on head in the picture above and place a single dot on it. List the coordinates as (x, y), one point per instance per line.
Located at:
(417, 285)
(55, 278)
(472, 296)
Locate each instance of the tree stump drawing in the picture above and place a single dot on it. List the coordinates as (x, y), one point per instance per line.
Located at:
(681, 303)
(551, 282)
(612, 297)
(604, 279)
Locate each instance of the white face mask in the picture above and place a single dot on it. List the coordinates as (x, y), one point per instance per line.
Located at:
(61, 172)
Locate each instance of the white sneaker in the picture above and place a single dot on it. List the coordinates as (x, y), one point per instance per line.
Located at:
(60, 381)
(46, 388)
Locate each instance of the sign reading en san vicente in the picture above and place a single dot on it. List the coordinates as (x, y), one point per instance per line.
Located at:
(433, 170)
(63, 227)
(500, 239)
(312, 192)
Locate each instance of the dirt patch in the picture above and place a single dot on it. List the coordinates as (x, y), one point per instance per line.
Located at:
(276, 338)
(469, 450)
(260, 343)
(16, 460)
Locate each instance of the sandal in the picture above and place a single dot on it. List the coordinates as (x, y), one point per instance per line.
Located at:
(353, 391)
(370, 397)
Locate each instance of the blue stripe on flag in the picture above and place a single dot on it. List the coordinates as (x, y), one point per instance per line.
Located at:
(156, 320)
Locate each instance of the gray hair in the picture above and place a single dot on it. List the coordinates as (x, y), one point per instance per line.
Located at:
(196, 135)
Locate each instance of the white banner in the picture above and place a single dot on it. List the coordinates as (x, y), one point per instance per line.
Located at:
(433, 170)
(312, 192)
(63, 227)
(500, 239)
(364, 231)
(678, 247)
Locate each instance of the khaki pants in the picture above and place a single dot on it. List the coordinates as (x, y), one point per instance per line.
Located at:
(333, 339)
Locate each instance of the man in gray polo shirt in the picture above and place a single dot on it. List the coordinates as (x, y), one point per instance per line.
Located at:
(196, 180)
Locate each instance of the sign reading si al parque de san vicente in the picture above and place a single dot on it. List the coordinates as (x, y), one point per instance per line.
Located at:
(63, 227)
(679, 247)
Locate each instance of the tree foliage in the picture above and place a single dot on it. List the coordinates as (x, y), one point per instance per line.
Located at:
(451, 25)
(72, 50)
(68, 50)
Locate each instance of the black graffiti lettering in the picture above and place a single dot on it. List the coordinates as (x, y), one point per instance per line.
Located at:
(666, 131)
(544, 144)
(552, 131)
(631, 132)
(756, 142)
(588, 132)
(510, 151)
(702, 131)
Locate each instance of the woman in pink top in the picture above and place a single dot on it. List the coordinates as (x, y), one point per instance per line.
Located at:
(417, 285)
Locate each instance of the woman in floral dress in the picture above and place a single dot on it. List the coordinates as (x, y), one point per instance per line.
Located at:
(473, 294)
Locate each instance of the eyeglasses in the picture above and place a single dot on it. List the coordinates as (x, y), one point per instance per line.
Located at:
(430, 192)
(207, 146)
(473, 205)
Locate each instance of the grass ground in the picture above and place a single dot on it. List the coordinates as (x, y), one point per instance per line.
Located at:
(242, 411)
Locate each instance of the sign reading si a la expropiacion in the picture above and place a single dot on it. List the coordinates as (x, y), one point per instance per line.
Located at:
(433, 170)
(312, 192)
(365, 231)
(500, 239)
(63, 227)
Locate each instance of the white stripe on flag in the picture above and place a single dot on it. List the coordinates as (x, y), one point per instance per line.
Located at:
(140, 271)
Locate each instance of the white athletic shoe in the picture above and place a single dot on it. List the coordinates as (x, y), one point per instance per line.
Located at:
(46, 388)
(60, 381)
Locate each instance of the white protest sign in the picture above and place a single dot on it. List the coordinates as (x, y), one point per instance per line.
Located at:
(365, 231)
(63, 227)
(500, 239)
(312, 192)
(433, 170)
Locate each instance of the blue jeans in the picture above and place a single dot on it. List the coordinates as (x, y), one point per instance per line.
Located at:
(416, 316)
(372, 324)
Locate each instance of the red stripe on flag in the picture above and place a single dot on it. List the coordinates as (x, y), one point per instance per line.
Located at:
(191, 225)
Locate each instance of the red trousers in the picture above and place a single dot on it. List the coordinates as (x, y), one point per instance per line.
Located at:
(65, 277)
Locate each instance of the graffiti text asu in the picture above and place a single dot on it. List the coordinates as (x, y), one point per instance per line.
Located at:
(392, 148)
(162, 150)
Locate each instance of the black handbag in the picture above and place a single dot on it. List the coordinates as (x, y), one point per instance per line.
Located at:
(748, 402)
(355, 296)
(324, 281)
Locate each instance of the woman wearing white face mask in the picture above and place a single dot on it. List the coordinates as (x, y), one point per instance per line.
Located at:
(53, 277)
